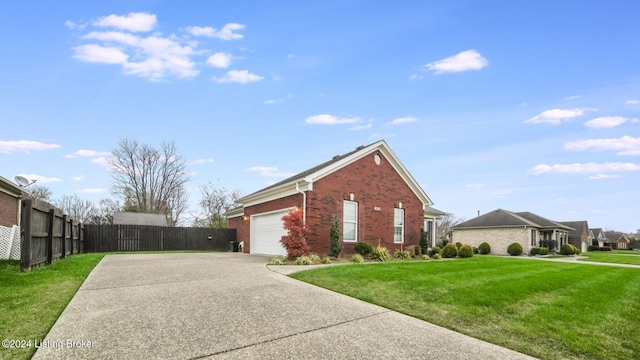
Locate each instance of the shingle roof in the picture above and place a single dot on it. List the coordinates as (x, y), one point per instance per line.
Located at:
(506, 218)
(133, 218)
(312, 170)
(580, 227)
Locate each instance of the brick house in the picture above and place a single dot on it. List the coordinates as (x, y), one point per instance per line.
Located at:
(580, 236)
(368, 189)
(500, 228)
(10, 196)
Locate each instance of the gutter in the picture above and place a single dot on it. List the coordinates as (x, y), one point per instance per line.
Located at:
(304, 204)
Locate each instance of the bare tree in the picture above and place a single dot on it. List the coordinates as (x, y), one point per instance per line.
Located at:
(77, 208)
(104, 215)
(150, 180)
(445, 224)
(39, 193)
(214, 203)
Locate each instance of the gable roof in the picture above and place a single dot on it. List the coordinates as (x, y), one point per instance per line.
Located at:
(580, 227)
(616, 236)
(134, 218)
(501, 218)
(304, 180)
(597, 233)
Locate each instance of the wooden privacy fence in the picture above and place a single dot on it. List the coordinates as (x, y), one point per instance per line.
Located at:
(47, 235)
(109, 238)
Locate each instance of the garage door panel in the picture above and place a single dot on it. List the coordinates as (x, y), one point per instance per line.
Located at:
(266, 232)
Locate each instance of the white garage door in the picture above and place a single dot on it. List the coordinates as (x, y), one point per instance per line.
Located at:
(266, 232)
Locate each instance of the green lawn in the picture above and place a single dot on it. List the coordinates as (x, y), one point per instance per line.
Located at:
(618, 257)
(545, 309)
(30, 303)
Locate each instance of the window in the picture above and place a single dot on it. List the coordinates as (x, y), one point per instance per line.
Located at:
(533, 237)
(398, 226)
(428, 228)
(350, 221)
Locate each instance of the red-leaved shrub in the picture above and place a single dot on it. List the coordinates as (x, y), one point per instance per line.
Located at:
(295, 242)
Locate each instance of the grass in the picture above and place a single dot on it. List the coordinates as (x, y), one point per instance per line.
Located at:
(31, 302)
(617, 257)
(545, 309)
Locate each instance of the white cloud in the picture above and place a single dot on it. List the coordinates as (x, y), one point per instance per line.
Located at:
(463, 61)
(219, 60)
(24, 146)
(577, 168)
(73, 25)
(625, 145)
(415, 77)
(134, 22)
(102, 161)
(87, 153)
(240, 77)
(93, 53)
(202, 161)
(572, 97)
(326, 119)
(226, 33)
(361, 127)
(93, 191)
(278, 101)
(40, 179)
(78, 178)
(606, 122)
(114, 37)
(556, 116)
(603, 176)
(269, 171)
(632, 102)
(403, 120)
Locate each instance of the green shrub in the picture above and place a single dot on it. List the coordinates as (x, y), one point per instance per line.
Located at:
(380, 253)
(335, 246)
(424, 241)
(415, 251)
(575, 249)
(402, 254)
(435, 250)
(325, 260)
(567, 249)
(357, 258)
(303, 260)
(278, 260)
(363, 248)
(426, 257)
(465, 251)
(437, 256)
(449, 251)
(515, 249)
(484, 248)
(458, 245)
(539, 251)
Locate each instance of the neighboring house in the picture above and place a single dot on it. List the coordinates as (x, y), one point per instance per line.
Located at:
(500, 228)
(10, 209)
(617, 240)
(10, 197)
(368, 189)
(580, 236)
(135, 218)
(598, 238)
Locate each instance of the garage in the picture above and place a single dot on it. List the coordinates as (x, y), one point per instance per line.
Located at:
(266, 232)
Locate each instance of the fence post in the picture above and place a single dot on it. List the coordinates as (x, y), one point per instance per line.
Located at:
(71, 234)
(52, 216)
(64, 236)
(25, 239)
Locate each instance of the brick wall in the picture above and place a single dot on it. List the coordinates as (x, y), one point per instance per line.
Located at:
(8, 210)
(377, 189)
(498, 239)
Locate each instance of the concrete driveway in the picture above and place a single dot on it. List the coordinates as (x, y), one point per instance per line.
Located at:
(231, 306)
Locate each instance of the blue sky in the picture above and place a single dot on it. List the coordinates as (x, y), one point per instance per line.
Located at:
(527, 106)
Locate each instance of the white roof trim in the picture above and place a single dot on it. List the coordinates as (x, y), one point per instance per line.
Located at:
(306, 184)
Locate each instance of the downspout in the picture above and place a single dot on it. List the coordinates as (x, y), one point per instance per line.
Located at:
(304, 205)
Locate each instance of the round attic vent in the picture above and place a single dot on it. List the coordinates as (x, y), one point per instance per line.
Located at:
(377, 159)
